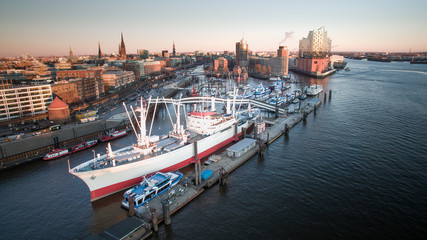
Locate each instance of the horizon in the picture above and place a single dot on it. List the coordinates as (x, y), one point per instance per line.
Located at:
(48, 28)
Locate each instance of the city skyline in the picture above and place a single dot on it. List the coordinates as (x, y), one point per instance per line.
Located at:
(44, 28)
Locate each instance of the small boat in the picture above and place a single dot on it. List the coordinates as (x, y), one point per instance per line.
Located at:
(313, 90)
(112, 135)
(261, 90)
(302, 96)
(295, 101)
(57, 153)
(347, 69)
(84, 145)
(150, 188)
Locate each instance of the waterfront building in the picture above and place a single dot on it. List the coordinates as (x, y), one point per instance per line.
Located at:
(67, 91)
(137, 67)
(88, 82)
(88, 89)
(314, 52)
(115, 80)
(152, 67)
(220, 64)
(65, 75)
(280, 64)
(242, 54)
(58, 111)
(24, 101)
(122, 49)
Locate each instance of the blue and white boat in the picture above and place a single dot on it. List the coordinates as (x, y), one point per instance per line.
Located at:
(150, 188)
(273, 100)
(261, 90)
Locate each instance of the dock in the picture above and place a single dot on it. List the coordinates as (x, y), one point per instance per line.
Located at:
(160, 209)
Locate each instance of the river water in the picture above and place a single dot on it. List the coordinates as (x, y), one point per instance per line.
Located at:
(357, 169)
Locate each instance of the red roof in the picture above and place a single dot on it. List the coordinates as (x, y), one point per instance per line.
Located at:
(202, 114)
(57, 103)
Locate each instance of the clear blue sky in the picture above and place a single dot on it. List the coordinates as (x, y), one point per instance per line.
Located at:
(44, 27)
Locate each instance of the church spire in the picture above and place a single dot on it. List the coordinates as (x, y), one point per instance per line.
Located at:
(173, 49)
(122, 49)
(99, 50)
(71, 52)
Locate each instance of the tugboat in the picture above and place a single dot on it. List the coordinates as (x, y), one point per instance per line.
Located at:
(84, 145)
(150, 188)
(112, 135)
(56, 153)
(60, 152)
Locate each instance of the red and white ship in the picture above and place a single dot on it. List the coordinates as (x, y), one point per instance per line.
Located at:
(57, 153)
(61, 152)
(123, 168)
(112, 135)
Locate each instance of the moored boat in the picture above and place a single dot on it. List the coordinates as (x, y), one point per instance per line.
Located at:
(57, 153)
(84, 145)
(123, 168)
(150, 188)
(313, 90)
(112, 135)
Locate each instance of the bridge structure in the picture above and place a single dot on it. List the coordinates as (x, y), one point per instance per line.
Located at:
(225, 101)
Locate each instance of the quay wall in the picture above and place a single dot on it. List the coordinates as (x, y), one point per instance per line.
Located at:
(35, 147)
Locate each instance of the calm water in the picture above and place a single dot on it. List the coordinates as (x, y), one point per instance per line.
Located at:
(356, 170)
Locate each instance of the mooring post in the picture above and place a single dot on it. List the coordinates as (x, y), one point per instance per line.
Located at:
(243, 133)
(304, 116)
(166, 212)
(268, 138)
(131, 207)
(330, 94)
(154, 220)
(324, 96)
(196, 169)
(286, 129)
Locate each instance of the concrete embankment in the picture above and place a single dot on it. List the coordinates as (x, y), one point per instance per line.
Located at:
(35, 147)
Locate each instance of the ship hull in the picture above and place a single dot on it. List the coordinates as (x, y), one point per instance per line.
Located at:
(104, 182)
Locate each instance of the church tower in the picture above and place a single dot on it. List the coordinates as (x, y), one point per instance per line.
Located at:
(173, 49)
(122, 51)
(71, 53)
(99, 51)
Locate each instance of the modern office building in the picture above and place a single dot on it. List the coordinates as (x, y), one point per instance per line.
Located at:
(242, 54)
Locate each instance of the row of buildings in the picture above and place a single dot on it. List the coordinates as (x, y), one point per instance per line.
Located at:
(29, 85)
(313, 58)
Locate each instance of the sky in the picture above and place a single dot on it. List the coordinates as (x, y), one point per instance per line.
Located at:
(46, 27)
